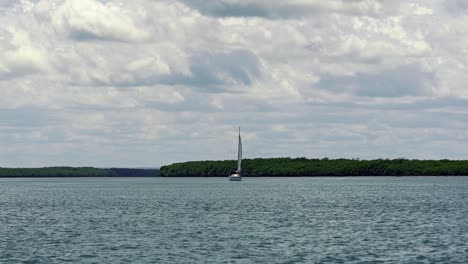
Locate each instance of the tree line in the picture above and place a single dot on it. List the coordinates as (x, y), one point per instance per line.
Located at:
(77, 172)
(263, 167)
(318, 167)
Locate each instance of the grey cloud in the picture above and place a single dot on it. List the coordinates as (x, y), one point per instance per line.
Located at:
(86, 35)
(282, 8)
(7, 3)
(6, 38)
(407, 80)
(17, 69)
(215, 71)
(457, 6)
(27, 118)
(224, 8)
(202, 103)
(422, 103)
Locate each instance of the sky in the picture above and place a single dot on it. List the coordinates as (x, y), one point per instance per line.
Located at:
(145, 83)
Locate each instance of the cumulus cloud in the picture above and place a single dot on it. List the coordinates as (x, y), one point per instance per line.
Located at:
(19, 55)
(220, 71)
(91, 20)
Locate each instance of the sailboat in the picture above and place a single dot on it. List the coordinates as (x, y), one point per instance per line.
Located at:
(236, 176)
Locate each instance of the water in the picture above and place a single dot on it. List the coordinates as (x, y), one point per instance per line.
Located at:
(212, 220)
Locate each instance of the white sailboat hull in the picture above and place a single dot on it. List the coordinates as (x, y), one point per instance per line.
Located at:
(235, 177)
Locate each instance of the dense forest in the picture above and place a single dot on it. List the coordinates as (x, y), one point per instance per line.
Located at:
(318, 167)
(263, 167)
(77, 172)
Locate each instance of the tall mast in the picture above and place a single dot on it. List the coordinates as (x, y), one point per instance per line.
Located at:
(239, 153)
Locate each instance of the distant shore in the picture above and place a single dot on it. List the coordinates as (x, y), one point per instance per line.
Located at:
(76, 172)
(269, 167)
(302, 167)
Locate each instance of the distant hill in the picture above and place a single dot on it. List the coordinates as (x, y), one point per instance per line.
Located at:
(318, 167)
(77, 172)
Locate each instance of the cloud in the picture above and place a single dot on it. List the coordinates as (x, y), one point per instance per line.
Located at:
(87, 20)
(209, 71)
(19, 55)
(406, 80)
(278, 9)
(220, 71)
(7, 3)
(146, 83)
(456, 6)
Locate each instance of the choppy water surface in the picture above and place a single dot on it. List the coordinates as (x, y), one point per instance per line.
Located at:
(212, 220)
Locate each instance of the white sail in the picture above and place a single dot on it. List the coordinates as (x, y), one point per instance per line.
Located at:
(236, 176)
(239, 154)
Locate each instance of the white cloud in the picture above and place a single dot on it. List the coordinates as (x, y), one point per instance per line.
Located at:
(91, 20)
(19, 55)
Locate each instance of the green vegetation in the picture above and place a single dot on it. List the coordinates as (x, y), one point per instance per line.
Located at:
(318, 167)
(76, 172)
(263, 167)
